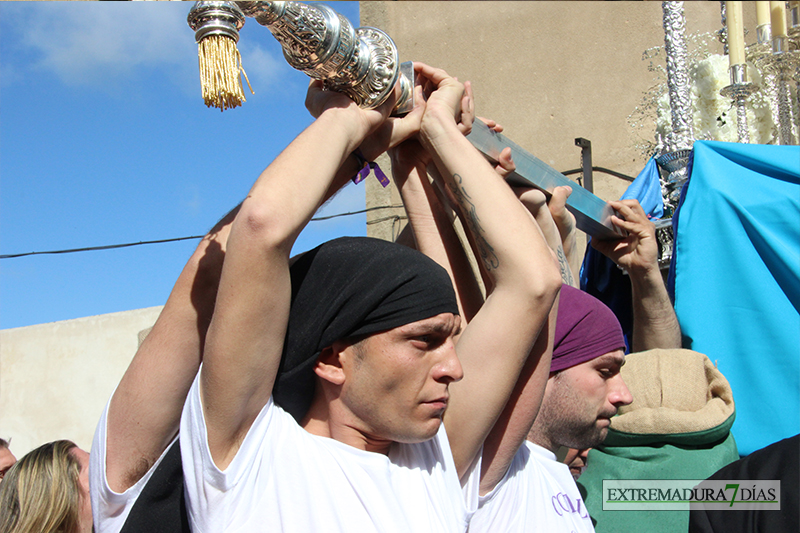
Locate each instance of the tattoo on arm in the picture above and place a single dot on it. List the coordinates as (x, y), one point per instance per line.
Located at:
(485, 250)
(566, 271)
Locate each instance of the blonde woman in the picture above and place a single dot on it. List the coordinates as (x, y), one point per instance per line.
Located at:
(48, 491)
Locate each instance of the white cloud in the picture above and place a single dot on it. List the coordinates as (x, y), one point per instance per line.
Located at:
(86, 43)
(262, 66)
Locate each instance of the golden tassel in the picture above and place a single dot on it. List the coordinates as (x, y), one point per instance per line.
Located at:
(220, 65)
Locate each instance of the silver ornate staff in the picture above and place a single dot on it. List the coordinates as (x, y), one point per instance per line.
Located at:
(756, 53)
(361, 63)
(782, 63)
(739, 91)
(679, 142)
(794, 40)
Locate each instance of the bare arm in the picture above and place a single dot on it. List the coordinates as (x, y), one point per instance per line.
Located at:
(517, 417)
(494, 346)
(565, 222)
(144, 413)
(245, 337)
(433, 230)
(655, 324)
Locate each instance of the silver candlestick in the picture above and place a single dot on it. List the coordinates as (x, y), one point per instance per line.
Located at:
(361, 63)
(794, 44)
(782, 64)
(739, 91)
(769, 85)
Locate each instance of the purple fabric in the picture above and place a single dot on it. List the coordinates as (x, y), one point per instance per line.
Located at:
(585, 329)
(364, 172)
(366, 168)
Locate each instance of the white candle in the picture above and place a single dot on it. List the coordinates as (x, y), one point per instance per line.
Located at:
(733, 15)
(777, 12)
(762, 13)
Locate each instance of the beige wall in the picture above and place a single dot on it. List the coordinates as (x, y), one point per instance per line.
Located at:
(548, 71)
(56, 378)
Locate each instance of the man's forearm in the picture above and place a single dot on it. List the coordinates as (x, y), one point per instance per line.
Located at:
(655, 324)
(495, 345)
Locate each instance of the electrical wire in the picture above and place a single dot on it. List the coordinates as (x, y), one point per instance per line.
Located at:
(395, 218)
(160, 241)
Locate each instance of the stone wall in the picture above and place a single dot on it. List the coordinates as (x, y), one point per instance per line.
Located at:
(56, 378)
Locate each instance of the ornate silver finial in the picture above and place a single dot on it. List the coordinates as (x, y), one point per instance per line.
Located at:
(215, 18)
(362, 63)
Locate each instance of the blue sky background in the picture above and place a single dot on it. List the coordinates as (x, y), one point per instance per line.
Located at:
(105, 139)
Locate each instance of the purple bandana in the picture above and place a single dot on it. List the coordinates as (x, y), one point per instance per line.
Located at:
(585, 329)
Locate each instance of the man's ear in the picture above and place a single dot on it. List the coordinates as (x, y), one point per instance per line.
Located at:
(329, 364)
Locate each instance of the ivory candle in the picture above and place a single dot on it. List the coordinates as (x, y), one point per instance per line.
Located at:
(777, 11)
(733, 14)
(762, 13)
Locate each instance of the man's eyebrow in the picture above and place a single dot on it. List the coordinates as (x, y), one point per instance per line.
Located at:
(440, 327)
(609, 359)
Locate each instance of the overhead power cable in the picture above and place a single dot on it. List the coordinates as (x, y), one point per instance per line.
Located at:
(140, 243)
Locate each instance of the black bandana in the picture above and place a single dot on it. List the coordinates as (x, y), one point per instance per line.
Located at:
(348, 287)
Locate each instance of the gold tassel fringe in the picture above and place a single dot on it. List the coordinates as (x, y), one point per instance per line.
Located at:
(220, 65)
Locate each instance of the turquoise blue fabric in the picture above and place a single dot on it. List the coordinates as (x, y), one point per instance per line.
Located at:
(736, 280)
(599, 276)
(647, 189)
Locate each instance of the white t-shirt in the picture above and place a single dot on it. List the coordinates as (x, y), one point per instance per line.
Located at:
(537, 494)
(286, 479)
(110, 509)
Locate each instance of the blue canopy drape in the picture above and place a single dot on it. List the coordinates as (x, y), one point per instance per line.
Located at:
(735, 280)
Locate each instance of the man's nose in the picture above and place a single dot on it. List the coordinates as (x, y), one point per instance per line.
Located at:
(620, 395)
(449, 368)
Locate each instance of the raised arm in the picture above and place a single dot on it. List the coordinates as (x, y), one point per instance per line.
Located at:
(145, 410)
(245, 337)
(495, 344)
(565, 222)
(655, 324)
(517, 417)
(431, 219)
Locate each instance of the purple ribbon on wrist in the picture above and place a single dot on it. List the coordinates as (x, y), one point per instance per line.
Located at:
(367, 167)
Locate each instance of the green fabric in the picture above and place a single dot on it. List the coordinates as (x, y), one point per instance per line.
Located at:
(696, 458)
(618, 439)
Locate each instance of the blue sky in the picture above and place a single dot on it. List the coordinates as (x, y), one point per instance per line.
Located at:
(104, 139)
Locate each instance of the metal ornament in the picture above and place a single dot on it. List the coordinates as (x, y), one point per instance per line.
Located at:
(679, 142)
(756, 53)
(215, 18)
(739, 91)
(361, 63)
(722, 33)
(794, 42)
(678, 80)
(781, 64)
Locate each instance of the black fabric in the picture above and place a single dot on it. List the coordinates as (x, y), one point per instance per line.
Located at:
(348, 287)
(161, 507)
(780, 461)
